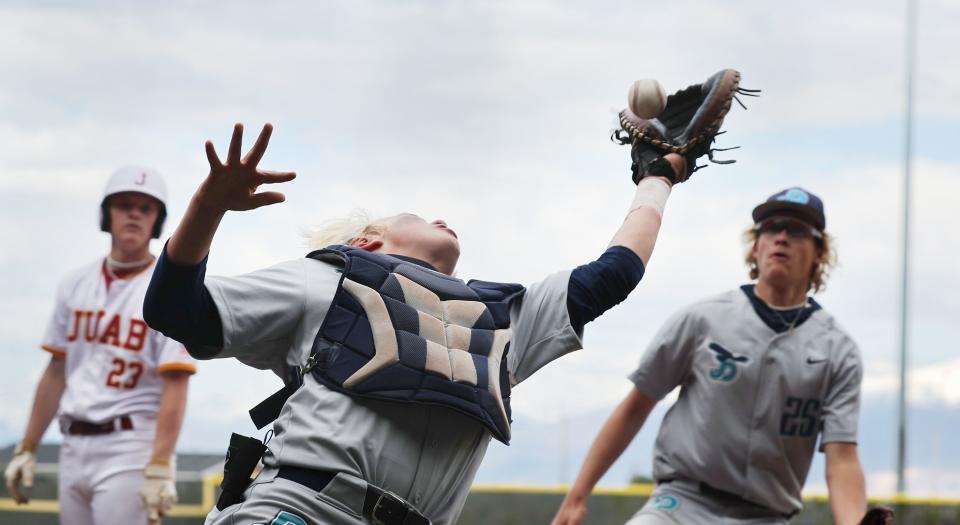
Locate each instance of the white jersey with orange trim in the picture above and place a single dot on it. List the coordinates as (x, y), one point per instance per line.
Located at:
(113, 359)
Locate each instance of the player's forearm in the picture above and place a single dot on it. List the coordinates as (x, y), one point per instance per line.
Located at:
(639, 232)
(46, 401)
(640, 228)
(848, 499)
(845, 483)
(191, 241)
(173, 405)
(613, 439)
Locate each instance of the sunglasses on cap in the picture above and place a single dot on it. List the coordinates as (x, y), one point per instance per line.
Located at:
(795, 229)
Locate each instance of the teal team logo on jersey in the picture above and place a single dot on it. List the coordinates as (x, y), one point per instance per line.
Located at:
(666, 502)
(726, 369)
(287, 518)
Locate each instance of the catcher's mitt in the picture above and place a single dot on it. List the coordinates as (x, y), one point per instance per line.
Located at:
(878, 516)
(686, 126)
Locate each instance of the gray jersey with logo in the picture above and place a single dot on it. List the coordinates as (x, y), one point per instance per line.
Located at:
(752, 402)
(426, 454)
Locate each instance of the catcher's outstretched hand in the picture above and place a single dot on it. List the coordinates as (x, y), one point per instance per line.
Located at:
(878, 516)
(232, 185)
(687, 126)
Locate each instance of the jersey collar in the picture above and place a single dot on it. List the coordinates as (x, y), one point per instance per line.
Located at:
(780, 320)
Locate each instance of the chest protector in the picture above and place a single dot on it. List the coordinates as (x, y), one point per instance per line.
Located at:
(398, 331)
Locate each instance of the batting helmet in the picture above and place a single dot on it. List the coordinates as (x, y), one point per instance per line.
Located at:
(139, 180)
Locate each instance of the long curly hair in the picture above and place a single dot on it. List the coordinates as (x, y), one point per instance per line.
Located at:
(822, 266)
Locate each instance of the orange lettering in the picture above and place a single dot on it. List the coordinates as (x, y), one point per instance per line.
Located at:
(91, 329)
(119, 366)
(111, 335)
(136, 335)
(136, 369)
(76, 326)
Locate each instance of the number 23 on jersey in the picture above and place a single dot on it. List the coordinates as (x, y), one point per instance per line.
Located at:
(124, 375)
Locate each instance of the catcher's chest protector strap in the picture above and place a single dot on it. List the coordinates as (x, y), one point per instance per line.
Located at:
(401, 332)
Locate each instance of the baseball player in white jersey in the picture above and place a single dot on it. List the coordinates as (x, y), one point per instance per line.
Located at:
(764, 371)
(118, 387)
(406, 370)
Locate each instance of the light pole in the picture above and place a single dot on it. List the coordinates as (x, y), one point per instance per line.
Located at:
(904, 295)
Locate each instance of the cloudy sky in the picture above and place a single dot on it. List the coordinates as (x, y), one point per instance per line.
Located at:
(494, 116)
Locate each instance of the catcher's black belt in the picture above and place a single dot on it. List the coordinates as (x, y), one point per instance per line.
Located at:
(76, 427)
(728, 497)
(380, 506)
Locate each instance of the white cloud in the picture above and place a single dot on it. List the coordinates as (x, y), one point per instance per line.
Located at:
(927, 385)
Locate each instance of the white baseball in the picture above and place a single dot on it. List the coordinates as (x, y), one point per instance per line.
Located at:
(646, 98)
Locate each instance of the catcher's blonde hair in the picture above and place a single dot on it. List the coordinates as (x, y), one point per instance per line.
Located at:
(822, 266)
(344, 230)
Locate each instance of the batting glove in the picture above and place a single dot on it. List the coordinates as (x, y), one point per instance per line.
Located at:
(159, 492)
(21, 469)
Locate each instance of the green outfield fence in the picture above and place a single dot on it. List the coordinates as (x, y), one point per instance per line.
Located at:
(487, 505)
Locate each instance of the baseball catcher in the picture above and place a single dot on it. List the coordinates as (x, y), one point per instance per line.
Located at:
(398, 374)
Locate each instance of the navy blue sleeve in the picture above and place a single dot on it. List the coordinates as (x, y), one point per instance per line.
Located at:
(178, 305)
(602, 284)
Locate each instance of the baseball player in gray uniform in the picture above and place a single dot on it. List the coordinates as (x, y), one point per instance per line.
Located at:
(764, 371)
(398, 374)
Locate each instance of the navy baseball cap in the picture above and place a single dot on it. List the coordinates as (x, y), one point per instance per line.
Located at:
(793, 202)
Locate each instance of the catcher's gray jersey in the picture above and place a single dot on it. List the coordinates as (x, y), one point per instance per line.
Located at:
(426, 454)
(752, 402)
